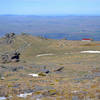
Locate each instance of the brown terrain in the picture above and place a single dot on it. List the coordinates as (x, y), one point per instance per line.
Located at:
(35, 68)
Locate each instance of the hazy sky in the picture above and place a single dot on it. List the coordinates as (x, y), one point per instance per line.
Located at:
(50, 7)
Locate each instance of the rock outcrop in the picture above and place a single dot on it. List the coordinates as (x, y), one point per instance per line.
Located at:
(9, 38)
(10, 57)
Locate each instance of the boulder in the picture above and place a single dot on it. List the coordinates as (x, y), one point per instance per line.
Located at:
(9, 38)
(9, 57)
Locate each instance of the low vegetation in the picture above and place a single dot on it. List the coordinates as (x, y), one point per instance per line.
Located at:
(67, 74)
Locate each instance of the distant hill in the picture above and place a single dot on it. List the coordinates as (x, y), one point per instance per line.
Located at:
(71, 27)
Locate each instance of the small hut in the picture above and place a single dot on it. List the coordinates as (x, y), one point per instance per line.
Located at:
(87, 39)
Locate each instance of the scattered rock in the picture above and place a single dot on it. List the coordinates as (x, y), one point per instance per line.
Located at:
(9, 57)
(39, 88)
(89, 77)
(75, 98)
(9, 38)
(44, 70)
(50, 93)
(96, 72)
(59, 69)
(14, 69)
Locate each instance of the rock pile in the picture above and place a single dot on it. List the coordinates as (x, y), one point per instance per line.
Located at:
(9, 38)
(10, 57)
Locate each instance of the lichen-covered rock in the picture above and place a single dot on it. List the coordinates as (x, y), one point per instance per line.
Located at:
(9, 57)
(9, 38)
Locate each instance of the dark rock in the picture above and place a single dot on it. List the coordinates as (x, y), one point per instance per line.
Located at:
(14, 69)
(2, 78)
(5, 58)
(9, 38)
(59, 69)
(50, 93)
(89, 77)
(15, 56)
(97, 74)
(21, 67)
(9, 57)
(45, 71)
(9, 35)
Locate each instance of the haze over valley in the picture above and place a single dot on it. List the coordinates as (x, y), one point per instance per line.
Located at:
(55, 27)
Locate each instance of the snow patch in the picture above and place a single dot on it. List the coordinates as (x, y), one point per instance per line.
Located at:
(90, 51)
(3, 98)
(24, 95)
(50, 54)
(34, 75)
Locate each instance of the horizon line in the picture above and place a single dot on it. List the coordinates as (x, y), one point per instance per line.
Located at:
(49, 15)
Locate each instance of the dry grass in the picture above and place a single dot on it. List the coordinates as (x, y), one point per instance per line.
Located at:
(76, 65)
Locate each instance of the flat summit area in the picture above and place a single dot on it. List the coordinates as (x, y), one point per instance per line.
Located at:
(37, 68)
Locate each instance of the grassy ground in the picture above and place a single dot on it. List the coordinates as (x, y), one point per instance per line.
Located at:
(76, 80)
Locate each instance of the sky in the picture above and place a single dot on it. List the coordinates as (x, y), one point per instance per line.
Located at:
(50, 7)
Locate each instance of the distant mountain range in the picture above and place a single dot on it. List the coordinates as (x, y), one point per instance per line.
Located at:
(56, 27)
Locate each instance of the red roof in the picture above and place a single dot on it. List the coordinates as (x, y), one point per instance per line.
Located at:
(86, 39)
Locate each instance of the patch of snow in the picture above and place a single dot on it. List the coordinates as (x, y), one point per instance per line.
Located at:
(2, 78)
(34, 75)
(38, 99)
(90, 51)
(3, 98)
(75, 91)
(24, 95)
(50, 54)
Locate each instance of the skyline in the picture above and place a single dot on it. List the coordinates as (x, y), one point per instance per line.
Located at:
(50, 7)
